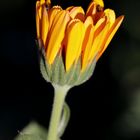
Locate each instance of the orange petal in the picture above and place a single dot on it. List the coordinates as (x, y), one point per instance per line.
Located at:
(99, 2)
(95, 10)
(77, 13)
(69, 8)
(37, 8)
(91, 9)
(98, 41)
(52, 13)
(88, 25)
(111, 17)
(42, 2)
(99, 26)
(111, 33)
(88, 40)
(74, 33)
(45, 25)
(48, 2)
(38, 19)
(98, 16)
(56, 35)
(88, 21)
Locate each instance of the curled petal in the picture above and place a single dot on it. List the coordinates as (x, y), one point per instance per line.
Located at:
(110, 14)
(98, 41)
(38, 9)
(48, 2)
(56, 35)
(87, 42)
(99, 2)
(91, 9)
(42, 2)
(99, 26)
(88, 21)
(88, 24)
(52, 13)
(69, 8)
(38, 16)
(77, 13)
(110, 34)
(94, 7)
(45, 25)
(74, 36)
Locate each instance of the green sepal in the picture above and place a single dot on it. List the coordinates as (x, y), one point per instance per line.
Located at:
(57, 74)
(84, 76)
(45, 68)
(73, 73)
(58, 71)
(62, 73)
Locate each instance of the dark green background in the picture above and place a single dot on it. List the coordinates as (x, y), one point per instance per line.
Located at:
(106, 107)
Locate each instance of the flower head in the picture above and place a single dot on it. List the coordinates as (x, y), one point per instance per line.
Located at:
(74, 37)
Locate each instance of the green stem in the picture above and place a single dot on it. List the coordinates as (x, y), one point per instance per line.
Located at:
(59, 99)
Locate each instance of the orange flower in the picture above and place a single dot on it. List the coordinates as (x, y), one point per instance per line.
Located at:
(74, 34)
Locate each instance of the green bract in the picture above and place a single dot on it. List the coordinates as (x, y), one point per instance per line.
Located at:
(56, 73)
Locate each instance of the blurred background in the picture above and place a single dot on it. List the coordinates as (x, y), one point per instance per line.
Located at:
(106, 107)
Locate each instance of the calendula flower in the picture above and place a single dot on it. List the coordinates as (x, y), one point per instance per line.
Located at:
(72, 40)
